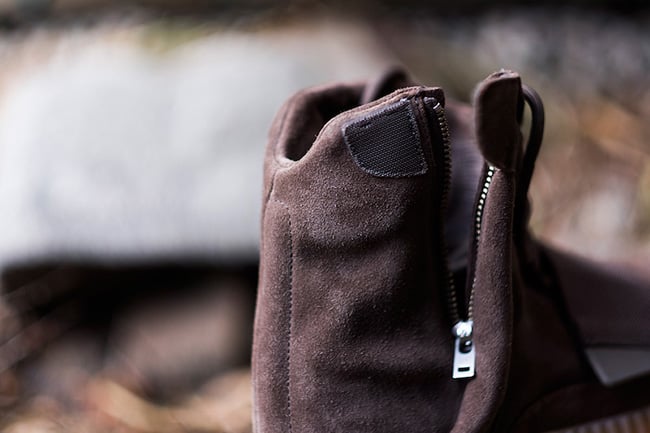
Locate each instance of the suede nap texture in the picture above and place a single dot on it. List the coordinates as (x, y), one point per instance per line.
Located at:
(351, 333)
(495, 108)
(352, 330)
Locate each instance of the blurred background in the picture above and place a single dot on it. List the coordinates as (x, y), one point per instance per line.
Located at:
(131, 143)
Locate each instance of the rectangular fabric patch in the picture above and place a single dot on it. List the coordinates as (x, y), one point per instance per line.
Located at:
(386, 143)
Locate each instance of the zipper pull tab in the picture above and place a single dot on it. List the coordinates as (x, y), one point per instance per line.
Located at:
(464, 355)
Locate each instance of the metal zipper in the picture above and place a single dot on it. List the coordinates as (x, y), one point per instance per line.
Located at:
(452, 300)
(464, 361)
(464, 365)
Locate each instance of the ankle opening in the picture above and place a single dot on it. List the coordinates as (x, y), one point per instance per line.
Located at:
(309, 113)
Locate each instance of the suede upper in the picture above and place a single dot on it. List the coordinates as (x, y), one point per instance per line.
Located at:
(362, 220)
(352, 333)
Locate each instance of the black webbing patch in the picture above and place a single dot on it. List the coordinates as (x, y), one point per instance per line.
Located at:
(386, 143)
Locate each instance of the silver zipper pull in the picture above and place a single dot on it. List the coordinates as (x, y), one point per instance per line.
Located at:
(464, 355)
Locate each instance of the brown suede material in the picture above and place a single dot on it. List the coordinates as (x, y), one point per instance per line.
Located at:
(270, 364)
(609, 304)
(545, 356)
(538, 364)
(547, 365)
(369, 343)
(551, 383)
(575, 404)
(497, 104)
(497, 135)
(551, 334)
(352, 331)
(492, 311)
(298, 122)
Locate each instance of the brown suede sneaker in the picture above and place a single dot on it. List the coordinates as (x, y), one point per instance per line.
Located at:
(579, 355)
(400, 294)
(351, 332)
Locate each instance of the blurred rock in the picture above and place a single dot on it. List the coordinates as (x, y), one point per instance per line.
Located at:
(150, 133)
(111, 151)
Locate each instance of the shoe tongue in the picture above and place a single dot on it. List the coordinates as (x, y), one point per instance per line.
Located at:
(498, 106)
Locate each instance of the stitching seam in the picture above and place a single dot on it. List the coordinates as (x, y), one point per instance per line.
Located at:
(290, 327)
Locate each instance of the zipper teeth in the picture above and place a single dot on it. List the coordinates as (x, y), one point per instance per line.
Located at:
(478, 224)
(452, 296)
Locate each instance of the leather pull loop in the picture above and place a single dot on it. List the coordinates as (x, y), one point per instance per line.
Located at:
(535, 137)
(536, 134)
